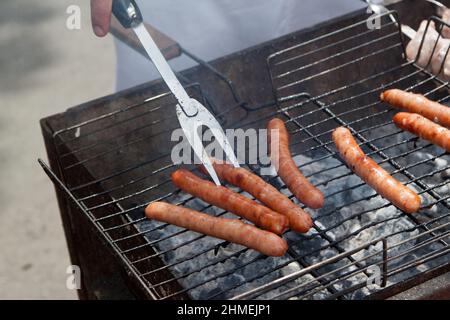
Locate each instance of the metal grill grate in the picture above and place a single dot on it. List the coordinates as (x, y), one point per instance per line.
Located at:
(125, 157)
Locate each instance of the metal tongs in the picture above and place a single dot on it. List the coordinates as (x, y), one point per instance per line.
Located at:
(191, 114)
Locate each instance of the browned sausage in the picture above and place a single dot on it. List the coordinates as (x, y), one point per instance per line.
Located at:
(423, 128)
(229, 200)
(288, 171)
(299, 220)
(227, 229)
(419, 104)
(376, 177)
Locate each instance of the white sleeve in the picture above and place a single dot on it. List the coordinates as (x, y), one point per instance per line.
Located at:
(214, 28)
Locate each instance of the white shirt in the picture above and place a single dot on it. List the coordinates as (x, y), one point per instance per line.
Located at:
(214, 28)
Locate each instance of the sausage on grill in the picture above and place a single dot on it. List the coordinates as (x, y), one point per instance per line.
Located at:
(288, 171)
(423, 128)
(231, 230)
(376, 177)
(229, 200)
(299, 220)
(417, 103)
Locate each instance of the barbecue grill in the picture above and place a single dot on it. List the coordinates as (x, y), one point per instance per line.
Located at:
(111, 157)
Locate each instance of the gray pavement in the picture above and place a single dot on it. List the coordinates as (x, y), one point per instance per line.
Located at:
(44, 69)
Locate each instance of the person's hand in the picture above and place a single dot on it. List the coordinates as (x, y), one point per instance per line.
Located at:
(101, 16)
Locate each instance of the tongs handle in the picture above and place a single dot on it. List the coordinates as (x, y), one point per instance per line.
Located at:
(127, 12)
(169, 47)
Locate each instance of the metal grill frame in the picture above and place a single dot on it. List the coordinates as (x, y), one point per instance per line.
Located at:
(320, 280)
(359, 135)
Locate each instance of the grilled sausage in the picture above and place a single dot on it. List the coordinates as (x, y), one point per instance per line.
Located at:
(299, 220)
(229, 200)
(231, 230)
(288, 171)
(423, 128)
(376, 177)
(417, 103)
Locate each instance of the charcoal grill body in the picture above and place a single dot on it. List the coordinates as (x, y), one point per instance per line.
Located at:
(105, 274)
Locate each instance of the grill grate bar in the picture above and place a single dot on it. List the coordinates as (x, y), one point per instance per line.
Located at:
(364, 107)
(321, 183)
(423, 244)
(108, 115)
(371, 146)
(192, 86)
(319, 287)
(328, 35)
(324, 235)
(109, 177)
(289, 261)
(171, 166)
(342, 88)
(340, 191)
(125, 145)
(331, 45)
(236, 254)
(425, 258)
(296, 275)
(370, 210)
(402, 169)
(334, 56)
(353, 97)
(164, 225)
(131, 195)
(321, 216)
(297, 118)
(129, 183)
(106, 141)
(318, 250)
(338, 67)
(97, 181)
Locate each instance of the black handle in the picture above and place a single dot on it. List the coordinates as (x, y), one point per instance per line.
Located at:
(127, 12)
